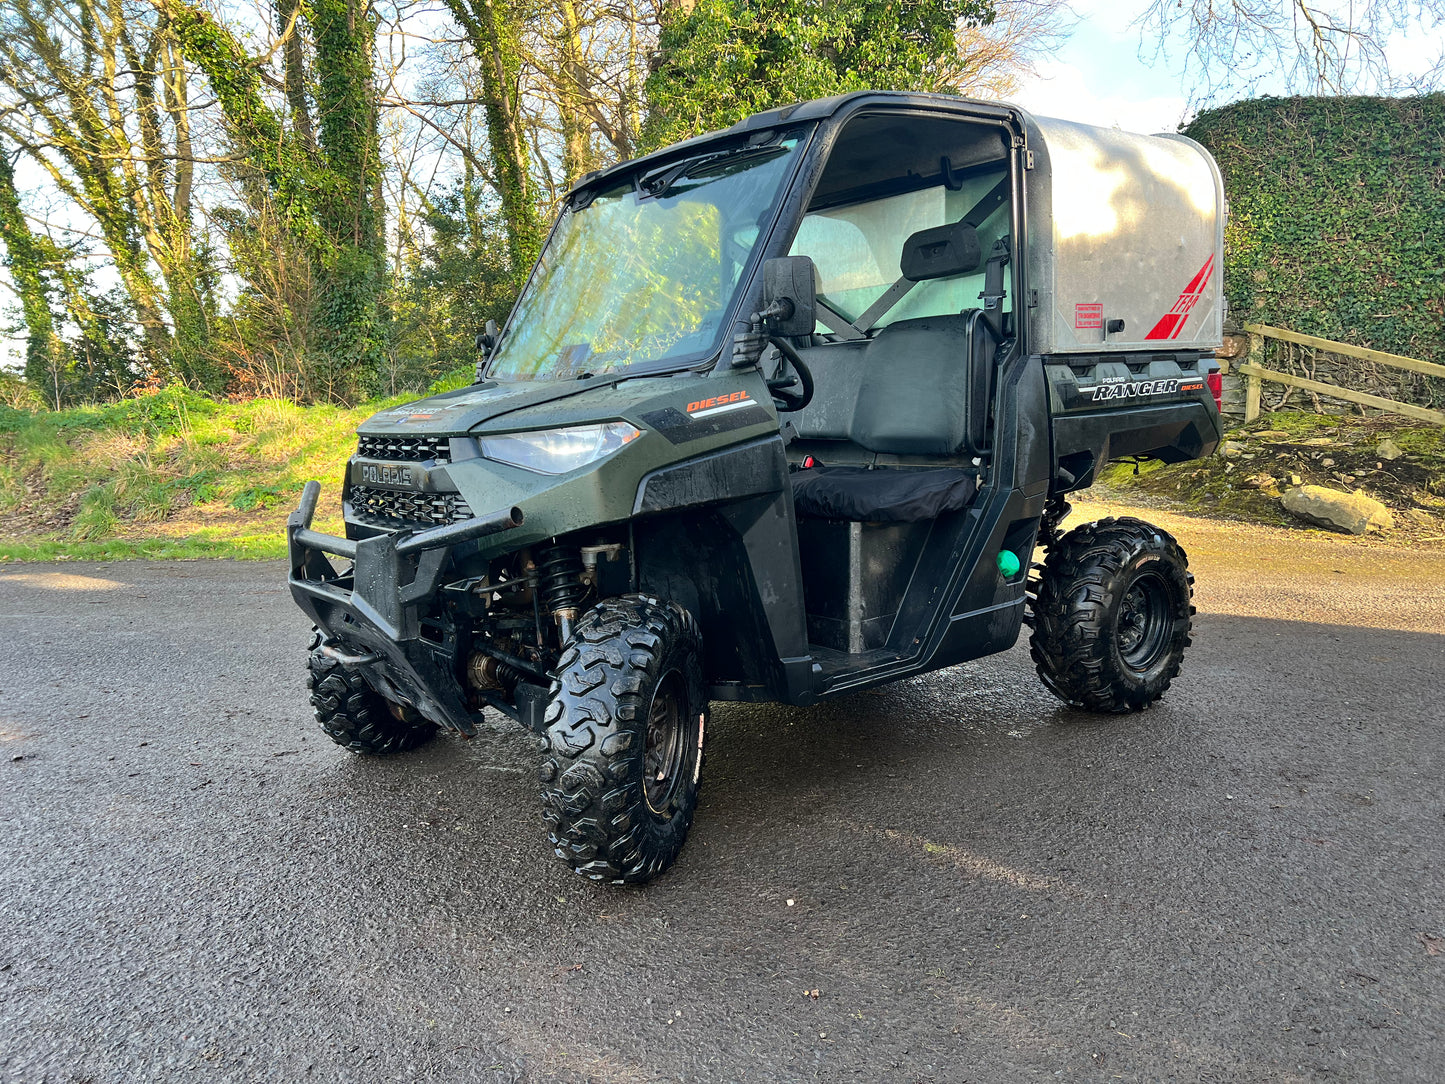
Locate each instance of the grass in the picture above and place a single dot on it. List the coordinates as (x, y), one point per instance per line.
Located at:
(169, 475)
(179, 475)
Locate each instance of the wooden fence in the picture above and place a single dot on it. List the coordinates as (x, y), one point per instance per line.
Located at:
(1257, 374)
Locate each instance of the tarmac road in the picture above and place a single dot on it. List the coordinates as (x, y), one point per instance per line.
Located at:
(1243, 884)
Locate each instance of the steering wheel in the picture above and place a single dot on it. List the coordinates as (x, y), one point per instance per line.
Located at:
(784, 397)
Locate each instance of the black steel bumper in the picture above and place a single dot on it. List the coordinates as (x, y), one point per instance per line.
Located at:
(374, 624)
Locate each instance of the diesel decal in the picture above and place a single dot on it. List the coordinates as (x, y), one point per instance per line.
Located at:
(1106, 392)
(718, 404)
(386, 474)
(680, 428)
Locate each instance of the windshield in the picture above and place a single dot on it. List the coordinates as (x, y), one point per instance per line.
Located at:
(647, 270)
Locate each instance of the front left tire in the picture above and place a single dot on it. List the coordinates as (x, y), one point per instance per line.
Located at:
(626, 720)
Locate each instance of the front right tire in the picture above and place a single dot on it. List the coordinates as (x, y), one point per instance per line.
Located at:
(356, 716)
(625, 725)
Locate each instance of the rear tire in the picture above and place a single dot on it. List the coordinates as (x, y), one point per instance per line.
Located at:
(626, 720)
(354, 715)
(1111, 615)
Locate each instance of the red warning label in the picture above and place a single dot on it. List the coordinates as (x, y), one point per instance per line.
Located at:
(1089, 316)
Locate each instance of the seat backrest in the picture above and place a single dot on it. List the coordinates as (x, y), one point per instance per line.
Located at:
(837, 370)
(925, 387)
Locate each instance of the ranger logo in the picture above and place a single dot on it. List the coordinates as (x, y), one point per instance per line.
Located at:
(1133, 390)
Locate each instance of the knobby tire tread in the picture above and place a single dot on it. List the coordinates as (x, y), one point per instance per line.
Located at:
(1073, 604)
(591, 774)
(353, 714)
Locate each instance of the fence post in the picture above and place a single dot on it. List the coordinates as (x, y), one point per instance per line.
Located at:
(1253, 382)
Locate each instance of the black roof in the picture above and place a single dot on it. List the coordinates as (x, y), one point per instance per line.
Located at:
(817, 109)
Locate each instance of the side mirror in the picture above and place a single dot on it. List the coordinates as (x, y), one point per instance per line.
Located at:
(790, 295)
(487, 340)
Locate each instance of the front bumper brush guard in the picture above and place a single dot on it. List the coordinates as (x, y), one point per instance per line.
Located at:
(379, 613)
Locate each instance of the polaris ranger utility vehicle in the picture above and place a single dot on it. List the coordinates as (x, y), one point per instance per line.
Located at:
(782, 414)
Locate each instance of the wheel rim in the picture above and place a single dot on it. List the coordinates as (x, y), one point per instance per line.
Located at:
(1144, 627)
(666, 749)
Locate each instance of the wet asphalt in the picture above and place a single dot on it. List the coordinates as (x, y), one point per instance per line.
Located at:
(952, 879)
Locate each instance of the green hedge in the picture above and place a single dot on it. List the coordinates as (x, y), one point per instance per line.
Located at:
(1337, 216)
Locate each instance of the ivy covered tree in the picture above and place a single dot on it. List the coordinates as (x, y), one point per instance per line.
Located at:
(318, 175)
(721, 60)
(78, 340)
(494, 30)
(27, 263)
(93, 93)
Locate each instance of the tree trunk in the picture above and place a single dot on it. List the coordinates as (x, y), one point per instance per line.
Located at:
(492, 31)
(353, 272)
(26, 266)
(573, 92)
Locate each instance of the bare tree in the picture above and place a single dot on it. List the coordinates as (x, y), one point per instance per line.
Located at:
(1332, 47)
(992, 59)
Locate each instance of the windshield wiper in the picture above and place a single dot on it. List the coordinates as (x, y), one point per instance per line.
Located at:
(658, 183)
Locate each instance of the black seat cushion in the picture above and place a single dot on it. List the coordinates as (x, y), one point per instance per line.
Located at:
(881, 496)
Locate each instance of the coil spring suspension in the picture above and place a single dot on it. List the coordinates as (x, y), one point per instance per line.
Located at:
(559, 579)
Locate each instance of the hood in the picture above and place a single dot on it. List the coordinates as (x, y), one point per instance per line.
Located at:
(523, 404)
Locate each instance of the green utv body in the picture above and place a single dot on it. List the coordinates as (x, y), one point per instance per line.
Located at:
(781, 414)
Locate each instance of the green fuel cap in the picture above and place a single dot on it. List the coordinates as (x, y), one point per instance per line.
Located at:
(1008, 564)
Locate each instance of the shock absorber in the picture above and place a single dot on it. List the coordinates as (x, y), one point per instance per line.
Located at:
(559, 579)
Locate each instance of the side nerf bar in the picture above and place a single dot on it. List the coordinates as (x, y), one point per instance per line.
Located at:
(378, 612)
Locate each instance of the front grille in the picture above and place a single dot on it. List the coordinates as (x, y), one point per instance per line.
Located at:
(393, 510)
(407, 449)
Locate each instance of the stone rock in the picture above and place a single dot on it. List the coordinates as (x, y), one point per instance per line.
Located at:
(1259, 481)
(1316, 442)
(1294, 479)
(1271, 434)
(1327, 462)
(1232, 449)
(1234, 346)
(1351, 513)
(1388, 449)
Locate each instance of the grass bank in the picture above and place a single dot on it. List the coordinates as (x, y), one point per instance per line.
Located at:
(172, 475)
(178, 475)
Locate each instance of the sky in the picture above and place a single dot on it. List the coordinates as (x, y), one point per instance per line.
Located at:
(1099, 77)
(1102, 75)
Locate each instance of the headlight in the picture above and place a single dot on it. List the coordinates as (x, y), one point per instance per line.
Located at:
(557, 451)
